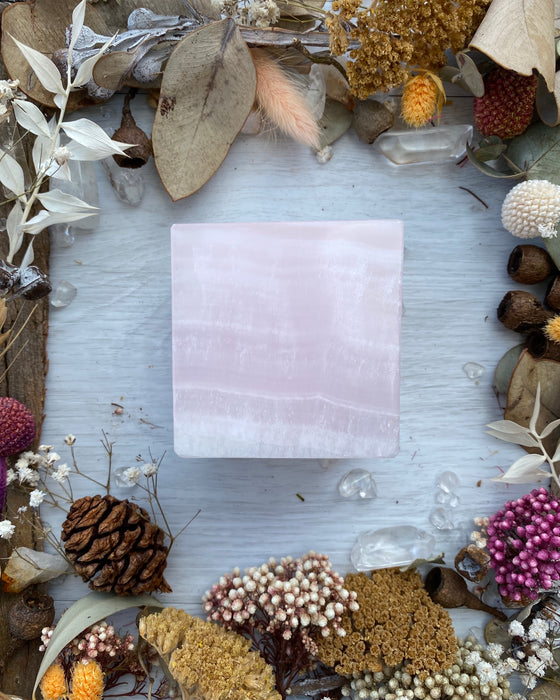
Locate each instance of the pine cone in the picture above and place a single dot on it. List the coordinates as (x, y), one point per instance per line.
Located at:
(114, 545)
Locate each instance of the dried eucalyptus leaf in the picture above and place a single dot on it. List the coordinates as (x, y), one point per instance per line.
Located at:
(27, 567)
(41, 24)
(519, 36)
(537, 151)
(548, 103)
(449, 74)
(492, 152)
(82, 614)
(496, 632)
(553, 247)
(115, 14)
(207, 91)
(335, 122)
(110, 70)
(546, 691)
(295, 9)
(526, 376)
(471, 79)
(487, 169)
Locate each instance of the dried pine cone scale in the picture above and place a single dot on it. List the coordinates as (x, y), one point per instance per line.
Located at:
(114, 545)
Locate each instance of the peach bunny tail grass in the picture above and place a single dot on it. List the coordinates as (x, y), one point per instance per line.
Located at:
(282, 102)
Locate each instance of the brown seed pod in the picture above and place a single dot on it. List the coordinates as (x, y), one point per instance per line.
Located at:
(130, 132)
(472, 562)
(370, 119)
(522, 312)
(530, 264)
(552, 298)
(29, 614)
(542, 348)
(447, 588)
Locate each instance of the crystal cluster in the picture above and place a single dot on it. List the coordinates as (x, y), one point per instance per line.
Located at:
(524, 544)
(294, 596)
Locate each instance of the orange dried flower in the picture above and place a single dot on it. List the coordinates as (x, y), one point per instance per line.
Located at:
(552, 329)
(422, 98)
(87, 681)
(53, 684)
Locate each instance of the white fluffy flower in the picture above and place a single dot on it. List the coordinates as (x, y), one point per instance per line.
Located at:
(36, 497)
(516, 629)
(26, 475)
(486, 672)
(61, 474)
(538, 630)
(532, 209)
(149, 469)
(263, 14)
(494, 651)
(11, 476)
(131, 475)
(7, 529)
(535, 665)
(70, 439)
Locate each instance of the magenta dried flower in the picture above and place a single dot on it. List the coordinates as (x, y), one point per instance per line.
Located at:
(524, 545)
(281, 607)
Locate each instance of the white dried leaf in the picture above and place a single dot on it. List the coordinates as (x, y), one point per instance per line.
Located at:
(11, 173)
(28, 257)
(524, 470)
(41, 150)
(58, 201)
(85, 70)
(13, 222)
(78, 15)
(508, 426)
(48, 218)
(45, 70)
(59, 100)
(536, 409)
(27, 567)
(518, 439)
(550, 428)
(556, 456)
(92, 136)
(30, 117)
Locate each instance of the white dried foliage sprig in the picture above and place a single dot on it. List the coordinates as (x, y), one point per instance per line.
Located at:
(87, 141)
(531, 467)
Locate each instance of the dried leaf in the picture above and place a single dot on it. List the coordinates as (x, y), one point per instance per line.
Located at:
(81, 615)
(335, 122)
(489, 170)
(519, 35)
(115, 14)
(30, 117)
(546, 691)
(504, 370)
(41, 24)
(27, 567)
(548, 103)
(526, 376)
(45, 70)
(92, 136)
(47, 218)
(57, 200)
(110, 70)
(207, 92)
(11, 173)
(537, 151)
(86, 68)
(78, 16)
(524, 470)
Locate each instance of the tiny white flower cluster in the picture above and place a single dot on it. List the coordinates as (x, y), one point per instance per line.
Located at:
(7, 529)
(131, 475)
(479, 537)
(8, 90)
(532, 655)
(262, 13)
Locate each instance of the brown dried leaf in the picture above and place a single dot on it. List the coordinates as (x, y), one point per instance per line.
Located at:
(3, 312)
(41, 24)
(548, 103)
(110, 70)
(519, 35)
(116, 14)
(207, 91)
(528, 373)
(546, 691)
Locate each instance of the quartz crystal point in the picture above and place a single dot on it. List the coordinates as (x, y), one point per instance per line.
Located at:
(391, 546)
(358, 482)
(286, 339)
(431, 145)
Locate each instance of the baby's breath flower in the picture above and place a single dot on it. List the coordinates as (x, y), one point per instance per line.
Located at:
(70, 439)
(494, 651)
(131, 475)
(7, 529)
(538, 630)
(61, 473)
(149, 469)
(36, 497)
(11, 476)
(46, 448)
(26, 475)
(53, 457)
(22, 509)
(516, 629)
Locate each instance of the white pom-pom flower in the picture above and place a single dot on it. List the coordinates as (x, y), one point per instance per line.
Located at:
(532, 209)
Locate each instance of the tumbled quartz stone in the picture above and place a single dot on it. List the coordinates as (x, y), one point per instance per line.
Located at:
(448, 481)
(441, 519)
(63, 294)
(430, 145)
(128, 184)
(286, 339)
(358, 482)
(473, 370)
(391, 546)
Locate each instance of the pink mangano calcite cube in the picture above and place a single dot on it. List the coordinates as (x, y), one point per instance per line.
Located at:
(286, 339)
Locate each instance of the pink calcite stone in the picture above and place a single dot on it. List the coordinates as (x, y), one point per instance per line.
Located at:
(286, 339)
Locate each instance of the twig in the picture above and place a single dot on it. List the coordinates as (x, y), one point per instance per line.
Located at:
(316, 58)
(474, 195)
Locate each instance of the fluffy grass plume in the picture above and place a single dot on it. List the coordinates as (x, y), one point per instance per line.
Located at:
(281, 101)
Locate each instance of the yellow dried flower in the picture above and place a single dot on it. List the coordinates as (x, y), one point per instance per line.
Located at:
(396, 622)
(422, 98)
(208, 661)
(87, 681)
(53, 684)
(552, 329)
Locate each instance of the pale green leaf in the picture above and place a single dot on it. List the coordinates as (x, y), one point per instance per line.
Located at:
(45, 70)
(82, 614)
(30, 117)
(488, 170)
(471, 79)
(12, 228)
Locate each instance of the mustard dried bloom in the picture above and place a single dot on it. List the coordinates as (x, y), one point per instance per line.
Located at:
(87, 681)
(208, 662)
(422, 98)
(53, 684)
(552, 329)
(396, 623)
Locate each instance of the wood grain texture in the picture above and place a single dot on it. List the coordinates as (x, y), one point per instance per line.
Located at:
(113, 344)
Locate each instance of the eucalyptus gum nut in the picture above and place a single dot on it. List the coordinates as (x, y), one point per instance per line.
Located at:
(552, 298)
(530, 264)
(370, 119)
(522, 312)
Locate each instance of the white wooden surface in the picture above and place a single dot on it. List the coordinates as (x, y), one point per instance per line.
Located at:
(113, 344)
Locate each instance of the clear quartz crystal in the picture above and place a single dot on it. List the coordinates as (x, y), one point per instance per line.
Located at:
(391, 546)
(128, 183)
(120, 479)
(448, 481)
(431, 145)
(358, 482)
(473, 370)
(62, 235)
(440, 518)
(82, 184)
(444, 498)
(63, 294)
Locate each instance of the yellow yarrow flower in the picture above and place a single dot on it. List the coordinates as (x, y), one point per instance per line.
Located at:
(53, 684)
(87, 681)
(552, 329)
(423, 97)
